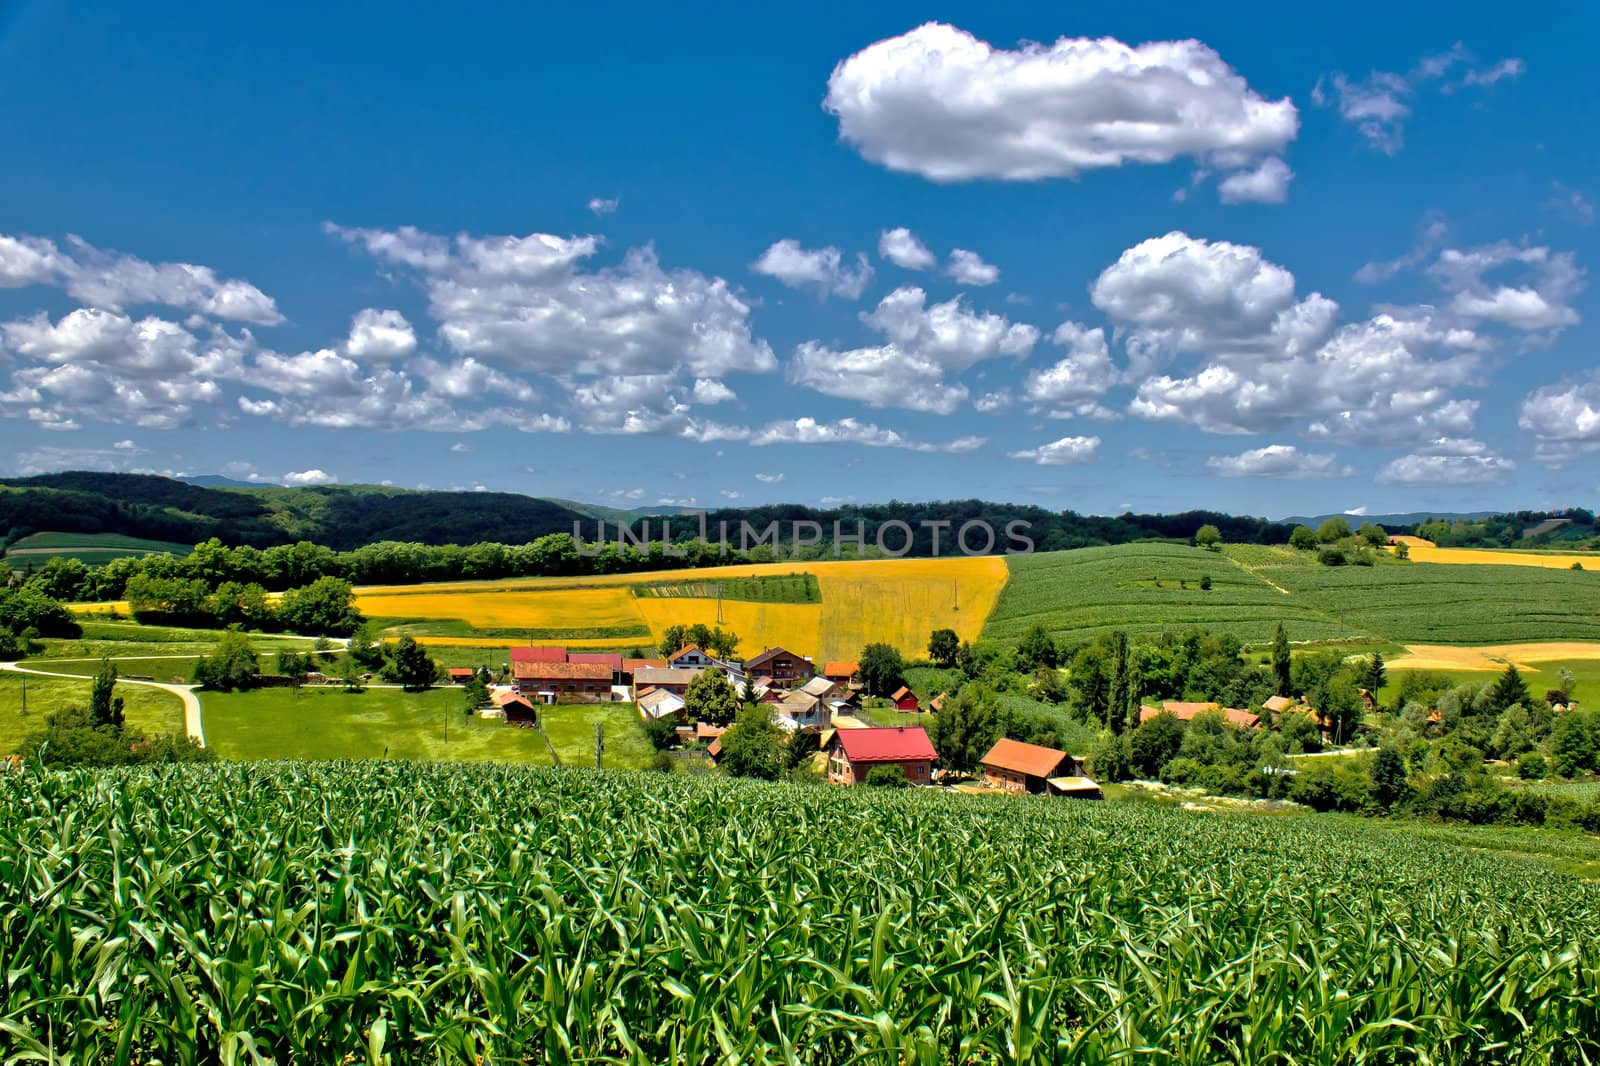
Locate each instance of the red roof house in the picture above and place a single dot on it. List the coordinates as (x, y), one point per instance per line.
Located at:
(552, 681)
(548, 653)
(1184, 712)
(1018, 767)
(518, 710)
(601, 658)
(853, 753)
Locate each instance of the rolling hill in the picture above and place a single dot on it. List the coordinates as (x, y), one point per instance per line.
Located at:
(1154, 588)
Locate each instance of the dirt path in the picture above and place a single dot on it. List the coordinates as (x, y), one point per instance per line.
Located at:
(193, 724)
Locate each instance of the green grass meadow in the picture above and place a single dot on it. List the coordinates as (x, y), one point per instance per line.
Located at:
(313, 723)
(150, 710)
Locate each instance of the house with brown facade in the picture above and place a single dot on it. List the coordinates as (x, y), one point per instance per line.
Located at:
(854, 753)
(783, 666)
(551, 682)
(1018, 767)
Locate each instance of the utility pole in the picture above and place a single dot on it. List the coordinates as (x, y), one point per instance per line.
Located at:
(599, 744)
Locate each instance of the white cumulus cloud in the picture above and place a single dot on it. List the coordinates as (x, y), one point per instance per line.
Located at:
(968, 268)
(822, 268)
(1279, 461)
(308, 477)
(938, 102)
(922, 346)
(380, 335)
(902, 248)
(1067, 450)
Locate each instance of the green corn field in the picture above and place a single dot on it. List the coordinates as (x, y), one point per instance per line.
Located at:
(394, 912)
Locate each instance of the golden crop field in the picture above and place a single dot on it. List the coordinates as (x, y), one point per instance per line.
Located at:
(1492, 657)
(1423, 551)
(899, 601)
(566, 608)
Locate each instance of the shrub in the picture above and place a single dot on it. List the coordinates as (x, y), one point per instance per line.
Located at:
(1532, 767)
(887, 777)
(1331, 557)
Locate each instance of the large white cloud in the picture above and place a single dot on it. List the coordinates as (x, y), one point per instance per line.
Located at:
(1084, 374)
(527, 304)
(938, 102)
(923, 345)
(1448, 462)
(823, 268)
(1541, 302)
(115, 282)
(1279, 461)
(1564, 418)
(1266, 359)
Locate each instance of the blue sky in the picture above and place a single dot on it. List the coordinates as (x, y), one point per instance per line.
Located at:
(1265, 261)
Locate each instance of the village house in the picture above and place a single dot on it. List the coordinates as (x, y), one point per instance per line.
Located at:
(546, 653)
(823, 688)
(515, 708)
(1185, 712)
(657, 703)
(784, 667)
(905, 700)
(937, 703)
(1018, 767)
(853, 753)
(459, 675)
(631, 666)
(671, 679)
(841, 672)
(609, 660)
(690, 657)
(801, 710)
(549, 682)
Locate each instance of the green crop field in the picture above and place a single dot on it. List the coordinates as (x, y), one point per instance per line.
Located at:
(756, 588)
(91, 548)
(1151, 588)
(315, 723)
(399, 912)
(149, 710)
(1145, 588)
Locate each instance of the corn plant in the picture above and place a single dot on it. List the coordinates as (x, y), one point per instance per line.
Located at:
(402, 913)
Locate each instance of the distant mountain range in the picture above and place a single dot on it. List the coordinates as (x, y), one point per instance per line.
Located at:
(1410, 518)
(344, 517)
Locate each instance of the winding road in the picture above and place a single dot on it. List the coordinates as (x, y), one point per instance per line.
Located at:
(193, 724)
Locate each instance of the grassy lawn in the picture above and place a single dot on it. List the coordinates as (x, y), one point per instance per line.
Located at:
(333, 724)
(150, 710)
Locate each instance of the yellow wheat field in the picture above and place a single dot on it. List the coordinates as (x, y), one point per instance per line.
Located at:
(898, 601)
(521, 607)
(1492, 657)
(1424, 551)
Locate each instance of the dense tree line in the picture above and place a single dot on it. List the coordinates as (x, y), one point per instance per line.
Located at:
(1507, 530)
